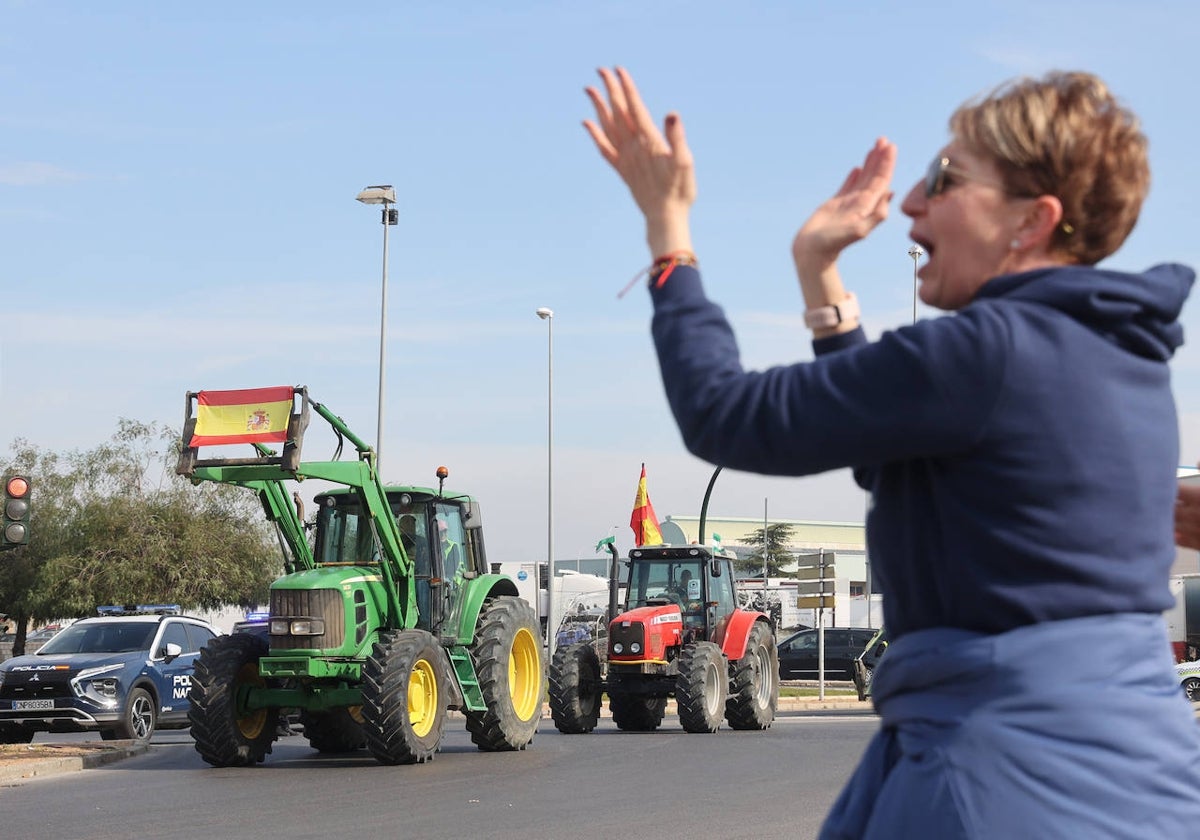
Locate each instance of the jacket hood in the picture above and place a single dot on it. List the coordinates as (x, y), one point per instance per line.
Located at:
(1138, 312)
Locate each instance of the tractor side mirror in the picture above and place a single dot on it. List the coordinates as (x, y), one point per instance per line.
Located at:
(714, 568)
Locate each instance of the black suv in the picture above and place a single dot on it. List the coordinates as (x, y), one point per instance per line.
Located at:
(798, 653)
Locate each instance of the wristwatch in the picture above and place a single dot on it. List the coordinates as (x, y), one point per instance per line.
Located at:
(831, 316)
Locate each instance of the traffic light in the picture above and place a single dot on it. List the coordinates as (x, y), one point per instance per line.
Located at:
(16, 512)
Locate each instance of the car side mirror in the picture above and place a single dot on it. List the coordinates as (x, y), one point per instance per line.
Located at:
(171, 650)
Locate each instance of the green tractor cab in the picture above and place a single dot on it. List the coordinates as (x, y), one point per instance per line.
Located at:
(389, 619)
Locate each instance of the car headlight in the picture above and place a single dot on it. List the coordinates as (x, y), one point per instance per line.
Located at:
(92, 684)
(297, 627)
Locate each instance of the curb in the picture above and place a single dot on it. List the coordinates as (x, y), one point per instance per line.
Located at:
(33, 768)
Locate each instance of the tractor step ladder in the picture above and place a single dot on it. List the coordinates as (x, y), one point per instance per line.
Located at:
(464, 669)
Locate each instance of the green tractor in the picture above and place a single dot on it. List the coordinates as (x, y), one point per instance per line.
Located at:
(388, 621)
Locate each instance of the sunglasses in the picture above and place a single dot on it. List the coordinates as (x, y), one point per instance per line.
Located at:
(942, 175)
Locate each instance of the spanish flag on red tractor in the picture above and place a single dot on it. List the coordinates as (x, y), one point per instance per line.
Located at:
(644, 522)
(254, 415)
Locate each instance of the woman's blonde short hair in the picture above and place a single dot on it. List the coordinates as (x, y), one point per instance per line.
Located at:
(1065, 135)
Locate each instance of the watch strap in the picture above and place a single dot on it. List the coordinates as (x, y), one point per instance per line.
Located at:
(830, 316)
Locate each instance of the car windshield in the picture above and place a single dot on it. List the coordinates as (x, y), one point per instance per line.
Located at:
(107, 637)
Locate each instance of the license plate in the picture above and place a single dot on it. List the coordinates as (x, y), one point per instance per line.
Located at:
(31, 705)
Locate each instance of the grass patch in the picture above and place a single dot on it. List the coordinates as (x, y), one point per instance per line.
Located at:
(813, 691)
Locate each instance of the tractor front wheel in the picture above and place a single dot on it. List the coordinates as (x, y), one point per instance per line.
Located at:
(636, 713)
(701, 687)
(754, 682)
(336, 731)
(404, 698)
(508, 663)
(226, 735)
(575, 688)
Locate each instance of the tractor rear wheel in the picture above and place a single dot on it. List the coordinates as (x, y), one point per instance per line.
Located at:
(575, 688)
(508, 662)
(336, 731)
(754, 682)
(636, 713)
(404, 698)
(701, 687)
(225, 735)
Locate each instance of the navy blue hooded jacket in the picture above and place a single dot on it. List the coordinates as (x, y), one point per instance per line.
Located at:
(1020, 455)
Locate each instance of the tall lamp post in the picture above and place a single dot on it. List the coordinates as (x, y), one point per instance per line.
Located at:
(916, 252)
(547, 315)
(382, 194)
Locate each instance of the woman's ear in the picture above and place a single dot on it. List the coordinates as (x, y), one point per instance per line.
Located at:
(1036, 229)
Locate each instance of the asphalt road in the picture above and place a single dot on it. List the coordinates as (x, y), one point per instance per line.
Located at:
(777, 783)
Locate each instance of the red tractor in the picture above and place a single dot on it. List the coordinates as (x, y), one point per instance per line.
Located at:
(681, 634)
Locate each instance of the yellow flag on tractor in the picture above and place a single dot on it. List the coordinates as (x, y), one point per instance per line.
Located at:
(644, 522)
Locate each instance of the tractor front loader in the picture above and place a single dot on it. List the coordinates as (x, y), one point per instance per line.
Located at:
(679, 633)
(387, 621)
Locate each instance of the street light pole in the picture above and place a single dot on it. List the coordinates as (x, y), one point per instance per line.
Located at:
(916, 252)
(547, 315)
(382, 194)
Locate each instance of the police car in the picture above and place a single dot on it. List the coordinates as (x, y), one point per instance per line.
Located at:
(125, 674)
(1188, 674)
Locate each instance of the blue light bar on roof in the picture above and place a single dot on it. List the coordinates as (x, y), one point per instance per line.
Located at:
(140, 609)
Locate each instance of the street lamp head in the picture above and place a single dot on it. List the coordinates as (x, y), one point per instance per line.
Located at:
(379, 194)
(545, 313)
(916, 252)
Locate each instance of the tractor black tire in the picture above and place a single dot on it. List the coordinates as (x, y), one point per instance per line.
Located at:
(224, 737)
(636, 713)
(404, 698)
(15, 733)
(138, 718)
(575, 688)
(754, 682)
(335, 731)
(701, 687)
(508, 663)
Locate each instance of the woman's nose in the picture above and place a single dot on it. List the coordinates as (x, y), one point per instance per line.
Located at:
(915, 201)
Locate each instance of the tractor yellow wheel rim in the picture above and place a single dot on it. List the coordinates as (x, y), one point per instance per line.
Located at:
(251, 724)
(524, 675)
(422, 697)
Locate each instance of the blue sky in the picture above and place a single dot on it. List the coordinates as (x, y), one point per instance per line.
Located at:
(177, 212)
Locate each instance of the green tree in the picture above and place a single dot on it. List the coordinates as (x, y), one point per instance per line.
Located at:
(773, 541)
(115, 525)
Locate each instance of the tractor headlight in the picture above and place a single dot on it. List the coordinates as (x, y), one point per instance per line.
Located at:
(635, 648)
(297, 627)
(618, 647)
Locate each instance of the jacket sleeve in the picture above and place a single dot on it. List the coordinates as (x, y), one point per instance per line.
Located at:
(919, 391)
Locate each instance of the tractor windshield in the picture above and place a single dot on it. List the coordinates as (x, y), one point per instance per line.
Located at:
(345, 537)
(666, 581)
